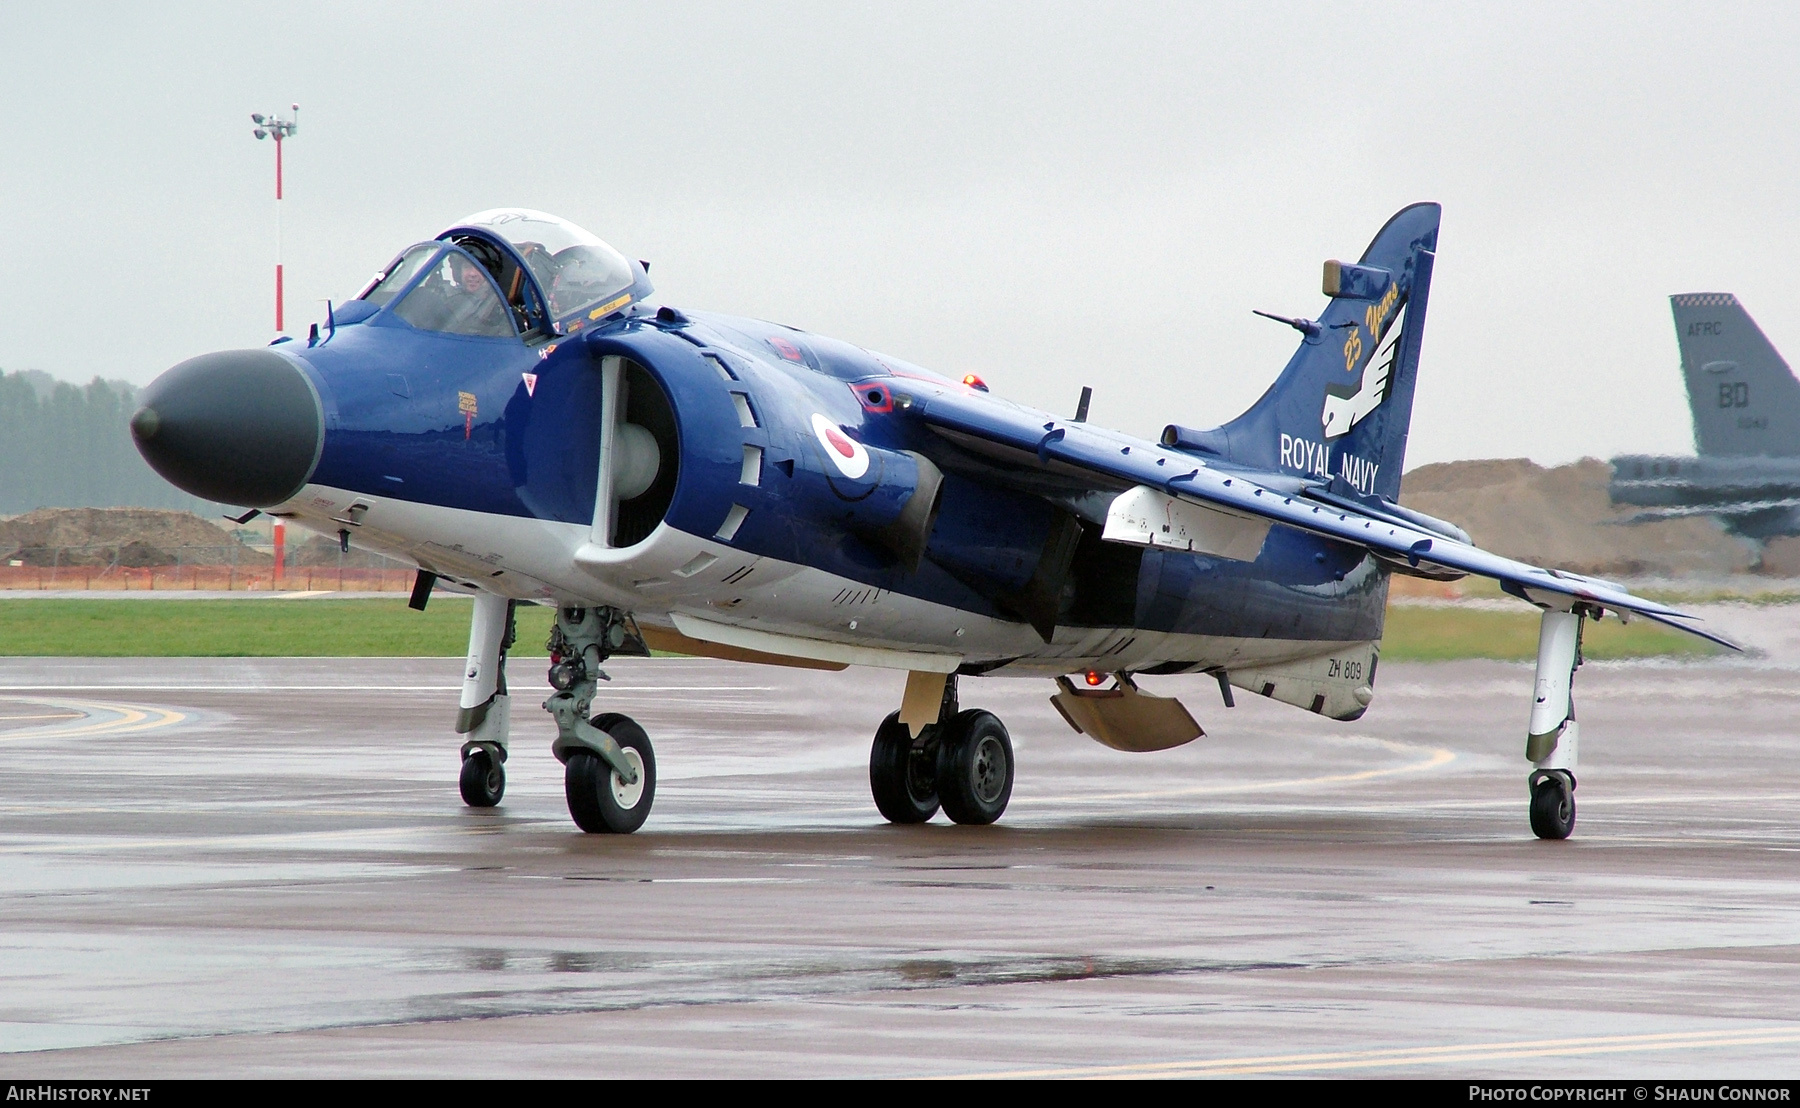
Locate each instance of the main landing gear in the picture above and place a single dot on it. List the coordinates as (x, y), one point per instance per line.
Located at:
(609, 770)
(1552, 744)
(961, 761)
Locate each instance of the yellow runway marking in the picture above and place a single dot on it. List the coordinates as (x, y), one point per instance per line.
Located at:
(1434, 757)
(1422, 1056)
(98, 718)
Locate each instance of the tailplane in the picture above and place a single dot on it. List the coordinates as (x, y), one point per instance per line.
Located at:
(1744, 397)
(1340, 410)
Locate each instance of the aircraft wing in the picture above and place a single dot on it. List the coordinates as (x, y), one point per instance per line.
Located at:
(1115, 460)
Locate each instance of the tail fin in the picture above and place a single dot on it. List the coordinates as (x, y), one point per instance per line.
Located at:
(1744, 398)
(1341, 409)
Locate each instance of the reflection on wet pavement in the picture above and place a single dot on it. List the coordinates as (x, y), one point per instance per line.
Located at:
(195, 854)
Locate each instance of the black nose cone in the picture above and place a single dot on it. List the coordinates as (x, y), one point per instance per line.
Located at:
(240, 427)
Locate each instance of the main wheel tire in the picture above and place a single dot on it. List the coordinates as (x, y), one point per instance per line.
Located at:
(1552, 809)
(975, 767)
(483, 780)
(599, 800)
(903, 780)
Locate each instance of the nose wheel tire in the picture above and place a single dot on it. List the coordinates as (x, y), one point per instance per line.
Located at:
(975, 767)
(483, 780)
(902, 779)
(1552, 807)
(602, 802)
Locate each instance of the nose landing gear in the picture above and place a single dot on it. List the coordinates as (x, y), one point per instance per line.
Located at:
(601, 799)
(609, 769)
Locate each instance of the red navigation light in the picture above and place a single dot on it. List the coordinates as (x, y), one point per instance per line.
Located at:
(975, 382)
(1094, 677)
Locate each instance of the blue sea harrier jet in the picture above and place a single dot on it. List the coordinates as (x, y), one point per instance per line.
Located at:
(507, 407)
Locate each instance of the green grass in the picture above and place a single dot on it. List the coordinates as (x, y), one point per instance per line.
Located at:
(249, 628)
(1445, 634)
(388, 628)
(1722, 595)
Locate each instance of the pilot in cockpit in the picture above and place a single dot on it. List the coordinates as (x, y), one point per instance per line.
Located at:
(473, 307)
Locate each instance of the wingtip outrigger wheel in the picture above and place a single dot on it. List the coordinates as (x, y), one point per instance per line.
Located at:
(1552, 744)
(485, 714)
(483, 778)
(1552, 804)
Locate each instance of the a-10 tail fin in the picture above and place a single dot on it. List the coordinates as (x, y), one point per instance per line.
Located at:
(1744, 397)
(1340, 411)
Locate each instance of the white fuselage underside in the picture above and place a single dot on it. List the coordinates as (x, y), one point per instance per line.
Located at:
(675, 576)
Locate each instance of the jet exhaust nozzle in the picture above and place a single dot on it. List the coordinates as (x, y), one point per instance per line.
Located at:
(239, 427)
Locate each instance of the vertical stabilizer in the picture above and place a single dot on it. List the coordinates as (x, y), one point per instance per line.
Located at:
(1341, 410)
(1744, 397)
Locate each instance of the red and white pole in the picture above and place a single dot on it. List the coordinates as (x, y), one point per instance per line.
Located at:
(280, 320)
(280, 551)
(278, 129)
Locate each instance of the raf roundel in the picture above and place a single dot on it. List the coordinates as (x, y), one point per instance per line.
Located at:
(845, 452)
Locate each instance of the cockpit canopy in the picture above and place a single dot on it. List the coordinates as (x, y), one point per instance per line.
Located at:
(507, 270)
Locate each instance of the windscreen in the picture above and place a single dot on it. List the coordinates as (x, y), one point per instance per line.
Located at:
(385, 285)
(457, 297)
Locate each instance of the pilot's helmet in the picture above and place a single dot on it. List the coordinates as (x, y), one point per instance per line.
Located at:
(484, 252)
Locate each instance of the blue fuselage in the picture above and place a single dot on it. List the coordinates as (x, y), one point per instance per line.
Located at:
(511, 430)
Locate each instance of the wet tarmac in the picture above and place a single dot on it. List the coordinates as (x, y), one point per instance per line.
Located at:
(262, 867)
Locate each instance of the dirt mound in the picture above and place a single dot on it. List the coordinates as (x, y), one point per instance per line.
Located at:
(325, 553)
(1781, 556)
(134, 537)
(1563, 518)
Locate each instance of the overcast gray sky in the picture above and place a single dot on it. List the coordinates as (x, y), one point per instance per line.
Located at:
(1047, 194)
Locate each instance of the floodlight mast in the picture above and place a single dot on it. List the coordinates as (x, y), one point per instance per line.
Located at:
(277, 128)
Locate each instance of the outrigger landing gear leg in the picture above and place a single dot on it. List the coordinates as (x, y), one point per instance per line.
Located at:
(922, 759)
(1553, 742)
(609, 770)
(486, 712)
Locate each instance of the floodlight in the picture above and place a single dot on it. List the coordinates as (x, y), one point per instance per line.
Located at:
(256, 118)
